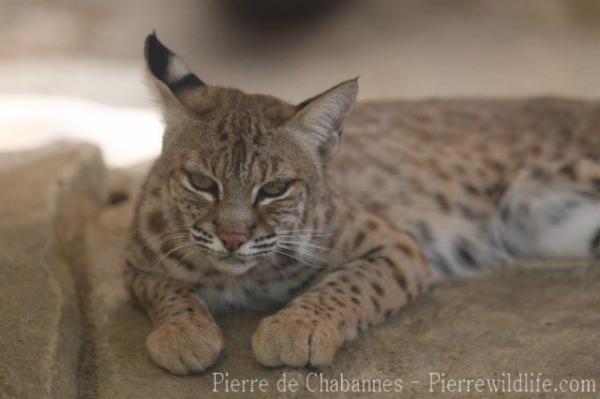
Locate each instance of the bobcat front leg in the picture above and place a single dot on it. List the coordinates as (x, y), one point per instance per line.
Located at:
(185, 338)
(388, 271)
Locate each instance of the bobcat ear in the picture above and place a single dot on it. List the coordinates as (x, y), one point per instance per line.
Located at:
(318, 120)
(174, 80)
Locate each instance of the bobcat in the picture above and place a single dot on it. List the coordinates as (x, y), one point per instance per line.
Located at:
(247, 208)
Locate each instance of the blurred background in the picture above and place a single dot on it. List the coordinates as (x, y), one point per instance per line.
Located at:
(73, 69)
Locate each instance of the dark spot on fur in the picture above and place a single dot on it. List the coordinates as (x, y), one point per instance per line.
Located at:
(535, 149)
(370, 253)
(595, 244)
(376, 304)
(494, 165)
(358, 240)
(569, 171)
(400, 279)
(338, 302)
(372, 225)
(442, 202)
(156, 222)
(378, 289)
(404, 248)
(465, 256)
(470, 189)
(495, 190)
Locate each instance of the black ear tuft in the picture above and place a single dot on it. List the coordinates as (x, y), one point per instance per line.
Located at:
(157, 56)
(167, 67)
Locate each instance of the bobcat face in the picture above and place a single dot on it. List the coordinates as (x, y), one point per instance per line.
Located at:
(239, 189)
(241, 170)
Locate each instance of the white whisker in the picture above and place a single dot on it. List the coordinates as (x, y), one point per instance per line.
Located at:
(177, 229)
(302, 252)
(290, 255)
(307, 244)
(174, 237)
(300, 231)
(304, 235)
(186, 245)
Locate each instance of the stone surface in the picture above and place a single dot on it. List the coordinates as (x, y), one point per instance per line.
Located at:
(68, 328)
(44, 196)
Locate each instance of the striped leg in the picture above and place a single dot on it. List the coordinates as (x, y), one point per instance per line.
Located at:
(362, 293)
(185, 339)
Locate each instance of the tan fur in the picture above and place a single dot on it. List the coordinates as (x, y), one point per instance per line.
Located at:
(353, 238)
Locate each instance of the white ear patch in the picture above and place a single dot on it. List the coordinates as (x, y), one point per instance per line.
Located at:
(176, 70)
(168, 68)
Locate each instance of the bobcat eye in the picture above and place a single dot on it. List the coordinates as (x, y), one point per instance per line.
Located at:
(274, 188)
(202, 183)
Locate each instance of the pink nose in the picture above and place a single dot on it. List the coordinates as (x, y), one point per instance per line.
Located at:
(233, 241)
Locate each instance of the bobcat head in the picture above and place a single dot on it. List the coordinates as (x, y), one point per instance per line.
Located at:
(241, 172)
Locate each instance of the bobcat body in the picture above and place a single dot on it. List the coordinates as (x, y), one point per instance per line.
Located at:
(250, 206)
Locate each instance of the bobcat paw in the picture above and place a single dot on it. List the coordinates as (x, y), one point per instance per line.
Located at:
(185, 345)
(294, 339)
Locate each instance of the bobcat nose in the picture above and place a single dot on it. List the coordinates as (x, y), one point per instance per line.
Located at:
(233, 241)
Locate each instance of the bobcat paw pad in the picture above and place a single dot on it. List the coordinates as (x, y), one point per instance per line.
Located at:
(184, 346)
(292, 339)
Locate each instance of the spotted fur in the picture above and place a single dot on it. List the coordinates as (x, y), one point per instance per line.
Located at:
(417, 192)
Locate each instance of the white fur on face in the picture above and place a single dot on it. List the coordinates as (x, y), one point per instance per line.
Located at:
(203, 194)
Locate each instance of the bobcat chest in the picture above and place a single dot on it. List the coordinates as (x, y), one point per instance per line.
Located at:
(251, 294)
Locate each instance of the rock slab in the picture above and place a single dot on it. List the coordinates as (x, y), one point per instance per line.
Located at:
(45, 196)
